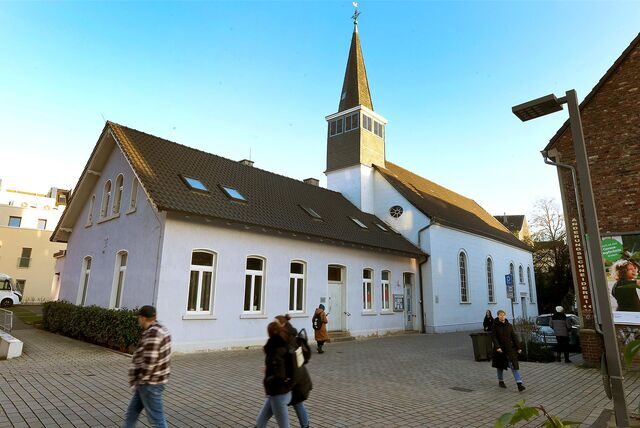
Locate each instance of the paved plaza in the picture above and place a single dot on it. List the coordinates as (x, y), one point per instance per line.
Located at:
(398, 381)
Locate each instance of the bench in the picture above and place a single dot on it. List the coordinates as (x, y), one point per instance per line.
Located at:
(10, 347)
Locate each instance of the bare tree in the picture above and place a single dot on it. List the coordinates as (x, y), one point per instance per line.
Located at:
(547, 221)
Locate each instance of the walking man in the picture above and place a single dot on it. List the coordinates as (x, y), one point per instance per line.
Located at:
(149, 371)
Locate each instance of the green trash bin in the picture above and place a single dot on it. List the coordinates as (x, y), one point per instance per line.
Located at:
(481, 346)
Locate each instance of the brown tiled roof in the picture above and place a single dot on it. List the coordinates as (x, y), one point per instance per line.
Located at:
(512, 222)
(635, 43)
(355, 89)
(273, 201)
(446, 207)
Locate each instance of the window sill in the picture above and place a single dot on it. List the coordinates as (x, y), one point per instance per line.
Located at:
(131, 211)
(492, 303)
(368, 313)
(199, 317)
(88, 225)
(253, 316)
(106, 219)
(465, 303)
(387, 313)
(297, 315)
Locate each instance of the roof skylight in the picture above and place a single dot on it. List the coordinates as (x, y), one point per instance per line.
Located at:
(233, 193)
(195, 184)
(358, 222)
(381, 227)
(311, 212)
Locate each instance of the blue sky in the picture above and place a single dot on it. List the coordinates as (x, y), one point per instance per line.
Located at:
(234, 78)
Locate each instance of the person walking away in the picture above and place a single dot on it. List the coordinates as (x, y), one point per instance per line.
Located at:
(149, 370)
(561, 328)
(277, 380)
(487, 324)
(319, 322)
(506, 349)
(301, 386)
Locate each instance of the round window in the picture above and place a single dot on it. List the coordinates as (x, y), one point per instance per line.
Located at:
(395, 211)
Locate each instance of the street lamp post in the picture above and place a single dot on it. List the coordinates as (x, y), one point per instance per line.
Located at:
(541, 107)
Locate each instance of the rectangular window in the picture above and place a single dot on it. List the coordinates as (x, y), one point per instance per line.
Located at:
(84, 284)
(42, 223)
(347, 123)
(335, 273)
(332, 128)
(253, 285)
(354, 120)
(15, 221)
(366, 122)
(296, 287)
(358, 222)
(339, 126)
(367, 290)
(233, 193)
(385, 290)
(199, 299)
(25, 258)
(121, 268)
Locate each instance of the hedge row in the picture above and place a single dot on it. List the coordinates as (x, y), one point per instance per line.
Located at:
(117, 329)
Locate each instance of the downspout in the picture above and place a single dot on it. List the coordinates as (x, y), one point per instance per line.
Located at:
(594, 296)
(421, 262)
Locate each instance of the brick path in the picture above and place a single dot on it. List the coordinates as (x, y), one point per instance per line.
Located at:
(400, 381)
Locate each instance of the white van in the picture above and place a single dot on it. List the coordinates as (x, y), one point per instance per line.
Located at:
(9, 294)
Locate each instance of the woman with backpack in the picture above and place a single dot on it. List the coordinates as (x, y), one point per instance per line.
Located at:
(277, 378)
(319, 323)
(301, 380)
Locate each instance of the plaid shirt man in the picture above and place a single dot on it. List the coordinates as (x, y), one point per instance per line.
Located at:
(151, 361)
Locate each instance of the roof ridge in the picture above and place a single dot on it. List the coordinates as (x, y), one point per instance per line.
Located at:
(222, 157)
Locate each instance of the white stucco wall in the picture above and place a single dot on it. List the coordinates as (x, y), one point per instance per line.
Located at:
(356, 183)
(227, 327)
(136, 232)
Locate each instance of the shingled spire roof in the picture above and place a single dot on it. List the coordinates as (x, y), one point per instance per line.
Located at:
(355, 89)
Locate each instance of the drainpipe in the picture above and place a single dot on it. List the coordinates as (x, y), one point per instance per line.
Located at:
(421, 262)
(594, 295)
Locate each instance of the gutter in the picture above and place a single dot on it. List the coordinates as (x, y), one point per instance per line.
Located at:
(421, 261)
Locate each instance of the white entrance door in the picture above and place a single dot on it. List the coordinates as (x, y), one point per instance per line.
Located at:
(335, 307)
(409, 314)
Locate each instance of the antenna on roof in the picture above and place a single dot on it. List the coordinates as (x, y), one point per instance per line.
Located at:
(102, 116)
(250, 153)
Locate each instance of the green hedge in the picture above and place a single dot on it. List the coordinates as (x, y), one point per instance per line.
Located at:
(117, 329)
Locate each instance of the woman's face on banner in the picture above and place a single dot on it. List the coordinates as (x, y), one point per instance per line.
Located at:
(632, 271)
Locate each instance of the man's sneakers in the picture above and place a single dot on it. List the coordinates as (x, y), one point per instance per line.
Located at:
(521, 387)
(501, 384)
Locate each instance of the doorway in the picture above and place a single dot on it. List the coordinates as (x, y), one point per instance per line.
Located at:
(409, 314)
(335, 300)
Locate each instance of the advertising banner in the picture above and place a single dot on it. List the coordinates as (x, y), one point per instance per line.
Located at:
(621, 255)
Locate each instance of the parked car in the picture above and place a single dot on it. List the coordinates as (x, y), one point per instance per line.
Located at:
(9, 294)
(546, 335)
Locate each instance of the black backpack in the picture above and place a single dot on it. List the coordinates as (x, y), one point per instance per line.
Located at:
(316, 322)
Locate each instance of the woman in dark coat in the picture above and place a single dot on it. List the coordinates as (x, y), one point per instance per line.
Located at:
(487, 324)
(505, 349)
(277, 382)
(302, 385)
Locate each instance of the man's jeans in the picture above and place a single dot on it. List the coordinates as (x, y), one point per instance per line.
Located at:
(275, 405)
(516, 374)
(148, 397)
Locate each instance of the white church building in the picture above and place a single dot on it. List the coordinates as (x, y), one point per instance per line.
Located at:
(220, 247)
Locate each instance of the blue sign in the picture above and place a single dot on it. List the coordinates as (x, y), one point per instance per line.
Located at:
(508, 279)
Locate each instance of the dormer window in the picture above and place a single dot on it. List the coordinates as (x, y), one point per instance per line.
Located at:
(358, 222)
(233, 193)
(194, 184)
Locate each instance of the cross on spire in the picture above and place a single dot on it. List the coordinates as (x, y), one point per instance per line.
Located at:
(355, 14)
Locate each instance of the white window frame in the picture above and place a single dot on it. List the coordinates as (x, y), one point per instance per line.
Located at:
(531, 290)
(385, 305)
(85, 278)
(118, 281)
(91, 207)
(106, 199)
(133, 200)
(297, 277)
(463, 277)
(367, 286)
(45, 224)
(253, 274)
(491, 289)
(201, 269)
(117, 197)
(512, 271)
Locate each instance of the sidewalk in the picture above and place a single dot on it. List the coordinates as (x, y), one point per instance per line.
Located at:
(400, 381)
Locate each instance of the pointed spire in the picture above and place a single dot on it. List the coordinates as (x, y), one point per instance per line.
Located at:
(355, 89)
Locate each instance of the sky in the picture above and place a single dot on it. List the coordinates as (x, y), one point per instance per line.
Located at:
(256, 79)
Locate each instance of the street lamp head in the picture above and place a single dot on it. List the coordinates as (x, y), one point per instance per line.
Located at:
(538, 107)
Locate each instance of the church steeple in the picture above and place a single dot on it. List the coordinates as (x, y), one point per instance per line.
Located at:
(355, 89)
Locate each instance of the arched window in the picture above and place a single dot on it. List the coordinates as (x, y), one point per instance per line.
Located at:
(521, 274)
(296, 286)
(384, 288)
(490, 288)
(512, 272)
(91, 207)
(84, 280)
(201, 282)
(531, 290)
(464, 289)
(254, 285)
(106, 197)
(118, 279)
(117, 197)
(367, 290)
(134, 194)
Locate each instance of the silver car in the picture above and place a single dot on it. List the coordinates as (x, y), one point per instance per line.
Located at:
(546, 335)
